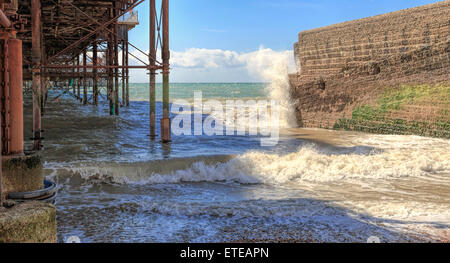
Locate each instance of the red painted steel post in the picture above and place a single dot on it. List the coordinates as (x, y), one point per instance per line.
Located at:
(116, 60)
(127, 78)
(124, 93)
(73, 79)
(1, 170)
(36, 71)
(1, 174)
(78, 78)
(109, 60)
(152, 72)
(165, 121)
(84, 78)
(110, 76)
(44, 81)
(15, 96)
(94, 70)
(4, 97)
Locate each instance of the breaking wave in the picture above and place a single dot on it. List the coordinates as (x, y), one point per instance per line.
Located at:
(273, 67)
(308, 164)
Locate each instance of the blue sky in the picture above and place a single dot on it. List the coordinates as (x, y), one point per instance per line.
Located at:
(202, 30)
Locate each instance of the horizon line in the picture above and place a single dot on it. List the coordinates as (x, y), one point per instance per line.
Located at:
(250, 82)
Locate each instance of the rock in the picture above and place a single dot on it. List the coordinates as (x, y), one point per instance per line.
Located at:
(9, 203)
(28, 222)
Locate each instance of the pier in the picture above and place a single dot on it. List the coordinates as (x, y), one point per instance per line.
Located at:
(80, 47)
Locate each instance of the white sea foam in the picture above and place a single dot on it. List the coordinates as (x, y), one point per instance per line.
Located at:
(422, 158)
(273, 67)
(377, 185)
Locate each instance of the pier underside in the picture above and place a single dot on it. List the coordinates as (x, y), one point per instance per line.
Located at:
(80, 47)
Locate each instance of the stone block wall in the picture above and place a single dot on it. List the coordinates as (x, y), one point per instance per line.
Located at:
(344, 65)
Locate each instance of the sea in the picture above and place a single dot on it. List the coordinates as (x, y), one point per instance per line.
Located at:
(117, 184)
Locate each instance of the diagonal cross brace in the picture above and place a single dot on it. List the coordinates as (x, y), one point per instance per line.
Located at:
(101, 27)
(98, 23)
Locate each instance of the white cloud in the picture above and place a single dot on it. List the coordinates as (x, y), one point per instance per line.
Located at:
(216, 65)
(205, 58)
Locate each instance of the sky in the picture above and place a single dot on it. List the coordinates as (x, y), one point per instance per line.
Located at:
(220, 40)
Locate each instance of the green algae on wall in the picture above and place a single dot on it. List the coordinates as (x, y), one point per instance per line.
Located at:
(408, 109)
(22, 173)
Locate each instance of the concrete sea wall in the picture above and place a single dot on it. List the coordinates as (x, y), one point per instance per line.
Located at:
(359, 63)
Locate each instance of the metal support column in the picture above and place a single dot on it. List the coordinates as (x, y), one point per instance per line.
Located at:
(36, 71)
(116, 60)
(73, 79)
(15, 96)
(110, 83)
(124, 93)
(1, 171)
(165, 121)
(127, 77)
(5, 108)
(152, 72)
(84, 77)
(94, 70)
(78, 79)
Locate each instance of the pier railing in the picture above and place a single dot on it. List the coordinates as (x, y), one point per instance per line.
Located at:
(130, 18)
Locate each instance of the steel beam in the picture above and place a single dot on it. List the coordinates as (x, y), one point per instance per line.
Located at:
(152, 73)
(94, 70)
(98, 23)
(4, 96)
(124, 93)
(116, 60)
(15, 96)
(127, 72)
(96, 31)
(165, 121)
(73, 79)
(109, 59)
(78, 79)
(101, 67)
(1, 171)
(4, 21)
(36, 71)
(84, 78)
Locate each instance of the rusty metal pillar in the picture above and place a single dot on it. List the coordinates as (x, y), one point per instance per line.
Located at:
(5, 108)
(15, 96)
(44, 81)
(43, 88)
(124, 93)
(94, 70)
(1, 171)
(84, 77)
(127, 77)
(116, 60)
(152, 73)
(165, 121)
(78, 78)
(36, 71)
(109, 62)
(73, 79)
(3, 85)
(110, 83)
